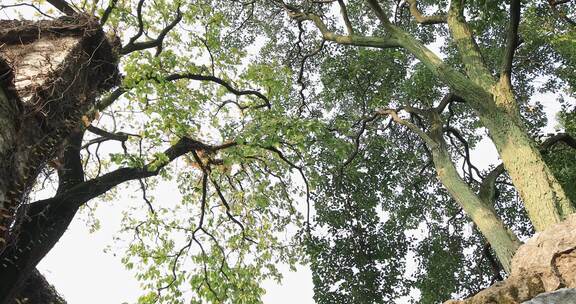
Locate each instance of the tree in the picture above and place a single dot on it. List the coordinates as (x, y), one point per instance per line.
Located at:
(284, 106)
(50, 127)
(357, 81)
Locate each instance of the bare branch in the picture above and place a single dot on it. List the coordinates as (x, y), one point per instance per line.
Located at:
(344, 13)
(301, 171)
(140, 22)
(229, 87)
(29, 5)
(363, 124)
(63, 6)
(144, 188)
(463, 141)
(511, 41)
(302, 69)
(355, 40)
(117, 93)
(133, 46)
(70, 170)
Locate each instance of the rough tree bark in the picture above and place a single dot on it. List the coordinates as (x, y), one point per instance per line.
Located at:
(496, 107)
(53, 72)
(481, 211)
(476, 206)
(37, 290)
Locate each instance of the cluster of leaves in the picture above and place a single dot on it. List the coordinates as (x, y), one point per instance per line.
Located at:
(222, 231)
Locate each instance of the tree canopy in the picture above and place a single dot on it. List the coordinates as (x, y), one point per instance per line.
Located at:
(337, 134)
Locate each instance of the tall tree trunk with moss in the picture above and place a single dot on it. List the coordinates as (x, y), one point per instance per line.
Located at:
(497, 109)
(477, 206)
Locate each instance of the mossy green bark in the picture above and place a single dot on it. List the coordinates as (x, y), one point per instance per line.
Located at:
(503, 242)
(495, 105)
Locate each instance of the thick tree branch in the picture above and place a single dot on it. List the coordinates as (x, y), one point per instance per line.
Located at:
(88, 190)
(421, 18)
(448, 98)
(560, 137)
(461, 85)
(109, 99)
(63, 6)
(511, 41)
(382, 16)
(108, 12)
(488, 186)
(106, 136)
(120, 136)
(394, 115)
(487, 191)
(71, 172)
(355, 40)
(468, 49)
(37, 290)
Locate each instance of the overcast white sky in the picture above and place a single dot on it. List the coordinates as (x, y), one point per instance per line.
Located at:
(84, 274)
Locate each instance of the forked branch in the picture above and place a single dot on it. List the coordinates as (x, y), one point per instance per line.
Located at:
(133, 45)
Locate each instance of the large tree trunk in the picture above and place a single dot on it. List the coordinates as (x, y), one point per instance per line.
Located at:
(495, 105)
(503, 241)
(44, 225)
(9, 108)
(543, 196)
(38, 235)
(37, 290)
(54, 79)
(477, 206)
